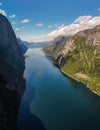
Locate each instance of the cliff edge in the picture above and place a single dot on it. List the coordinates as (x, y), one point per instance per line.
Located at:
(12, 83)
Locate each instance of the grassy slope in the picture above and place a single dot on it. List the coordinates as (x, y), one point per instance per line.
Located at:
(83, 65)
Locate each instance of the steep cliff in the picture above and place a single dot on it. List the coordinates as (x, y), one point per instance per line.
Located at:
(56, 46)
(12, 83)
(79, 57)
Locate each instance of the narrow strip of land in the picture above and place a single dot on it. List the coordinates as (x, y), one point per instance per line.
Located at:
(84, 76)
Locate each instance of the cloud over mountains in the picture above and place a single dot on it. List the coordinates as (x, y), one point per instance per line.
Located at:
(79, 24)
(3, 12)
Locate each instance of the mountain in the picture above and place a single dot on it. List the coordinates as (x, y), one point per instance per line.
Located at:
(78, 56)
(22, 45)
(55, 47)
(12, 83)
(26, 44)
(41, 44)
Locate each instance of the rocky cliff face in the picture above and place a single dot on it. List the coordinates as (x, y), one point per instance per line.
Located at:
(12, 83)
(79, 56)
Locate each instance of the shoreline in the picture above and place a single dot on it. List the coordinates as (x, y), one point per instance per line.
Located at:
(68, 75)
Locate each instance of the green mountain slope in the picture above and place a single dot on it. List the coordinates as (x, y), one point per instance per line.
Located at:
(79, 57)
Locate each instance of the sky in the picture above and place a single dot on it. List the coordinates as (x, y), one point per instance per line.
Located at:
(42, 19)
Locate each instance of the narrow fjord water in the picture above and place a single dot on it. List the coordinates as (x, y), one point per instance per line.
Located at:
(53, 101)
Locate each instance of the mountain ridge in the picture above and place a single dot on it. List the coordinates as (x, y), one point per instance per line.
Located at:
(78, 56)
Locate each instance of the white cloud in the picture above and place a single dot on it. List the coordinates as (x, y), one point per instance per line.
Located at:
(17, 29)
(50, 26)
(12, 16)
(98, 9)
(40, 24)
(82, 19)
(25, 21)
(60, 27)
(0, 3)
(79, 24)
(3, 12)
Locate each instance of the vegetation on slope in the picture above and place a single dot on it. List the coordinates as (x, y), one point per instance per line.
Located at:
(84, 65)
(79, 57)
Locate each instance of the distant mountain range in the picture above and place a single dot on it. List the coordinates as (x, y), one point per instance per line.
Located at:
(24, 45)
(78, 56)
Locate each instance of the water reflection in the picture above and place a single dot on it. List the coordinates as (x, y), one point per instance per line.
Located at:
(27, 120)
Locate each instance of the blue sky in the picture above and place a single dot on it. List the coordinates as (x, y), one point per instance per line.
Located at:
(32, 18)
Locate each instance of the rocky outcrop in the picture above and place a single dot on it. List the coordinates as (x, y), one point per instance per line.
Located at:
(56, 46)
(79, 56)
(12, 83)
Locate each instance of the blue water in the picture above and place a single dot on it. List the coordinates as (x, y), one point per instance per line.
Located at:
(53, 101)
